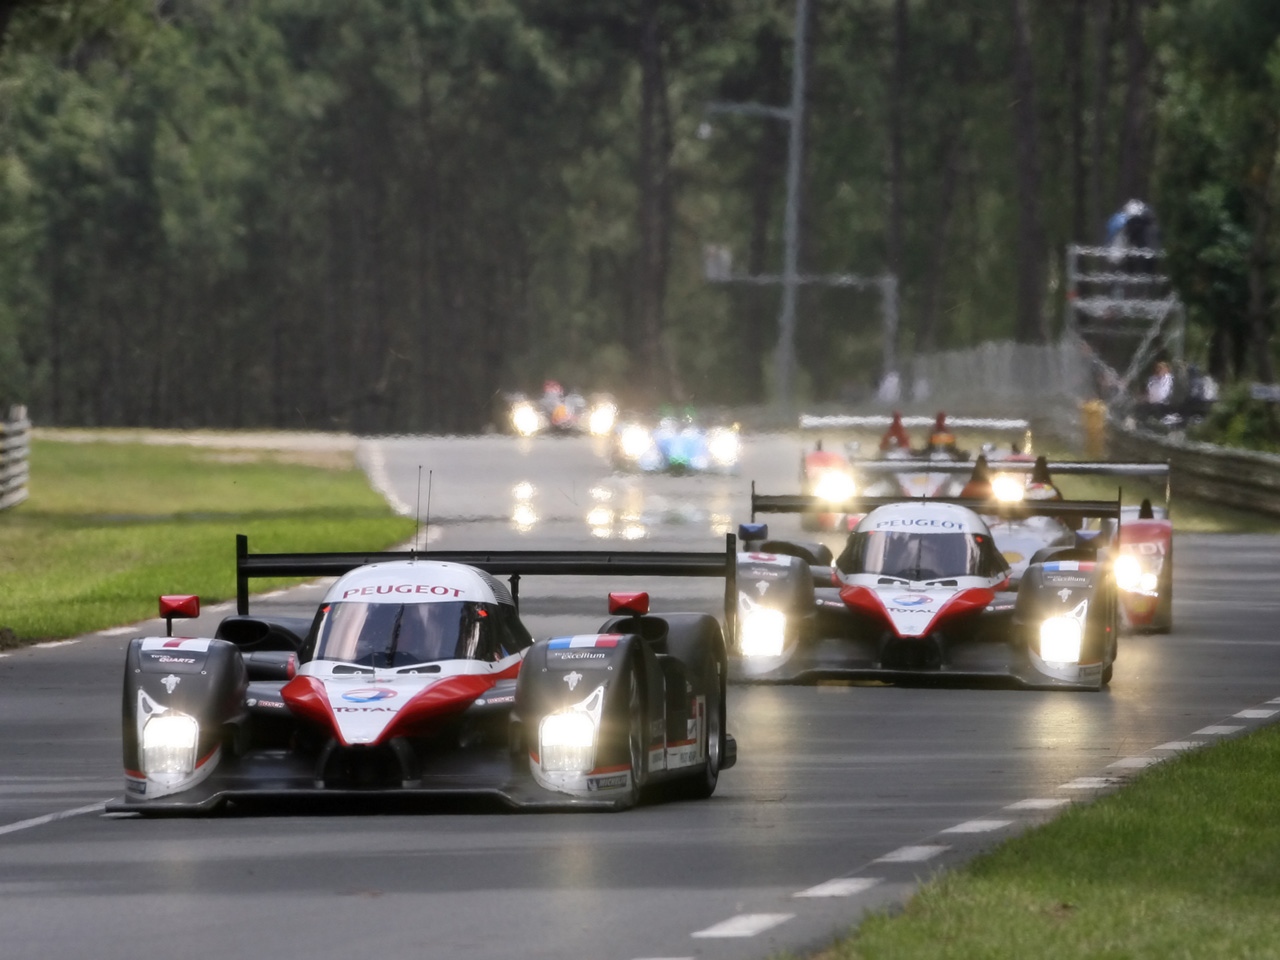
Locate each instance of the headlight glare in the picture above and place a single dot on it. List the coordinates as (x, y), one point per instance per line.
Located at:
(1008, 489)
(723, 446)
(600, 420)
(762, 632)
(635, 441)
(567, 741)
(169, 744)
(835, 486)
(525, 419)
(1060, 639)
(1128, 572)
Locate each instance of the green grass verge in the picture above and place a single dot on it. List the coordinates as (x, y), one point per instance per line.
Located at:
(109, 527)
(1182, 863)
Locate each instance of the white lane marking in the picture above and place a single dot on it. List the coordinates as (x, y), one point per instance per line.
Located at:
(1255, 714)
(1180, 745)
(273, 594)
(745, 925)
(116, 631)
(53, 643)
(1038, 803)
(1134, 763)
(1089, 783)
(1276, 700)
(911, 854)
(52, 817)
(978, 826)
(840, 887)
(1216, 731)
(375, 466)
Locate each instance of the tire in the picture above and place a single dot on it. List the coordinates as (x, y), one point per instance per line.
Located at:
(636, 727)
(703, 784)
(1164, 611)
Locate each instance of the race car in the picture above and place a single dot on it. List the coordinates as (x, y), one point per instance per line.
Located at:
(676, 446)
(1142, 546)
(900, 469)
(921, 594)
(417, 677)
(558, 412)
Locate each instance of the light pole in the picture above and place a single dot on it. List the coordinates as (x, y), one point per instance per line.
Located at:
(719, 262)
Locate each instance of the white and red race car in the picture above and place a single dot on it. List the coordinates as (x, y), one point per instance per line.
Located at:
(922, 593)
(417, 677)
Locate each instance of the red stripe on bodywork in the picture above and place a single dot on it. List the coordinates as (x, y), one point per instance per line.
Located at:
(966, 601)
(307, 697)
(444, 699)
(867, 601)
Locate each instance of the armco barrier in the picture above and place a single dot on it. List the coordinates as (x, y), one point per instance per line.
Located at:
(1238, 478)
(15, 444)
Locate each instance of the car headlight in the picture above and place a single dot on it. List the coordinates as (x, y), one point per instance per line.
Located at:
(567, 741)
(1008, 489)
(169, 744)
(525, 419)
(1060, 639)
(635, 441)
(835, 486)
(762, 632)
(601, 418)
(1132, 577)
(724, 447)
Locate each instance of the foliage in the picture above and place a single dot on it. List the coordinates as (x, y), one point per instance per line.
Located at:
(378, 214)
(1238, 420)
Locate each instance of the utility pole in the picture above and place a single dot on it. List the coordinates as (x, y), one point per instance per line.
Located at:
(719, 262)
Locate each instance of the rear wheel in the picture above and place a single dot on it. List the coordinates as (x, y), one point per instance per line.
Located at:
(636, 742)
(703, 783)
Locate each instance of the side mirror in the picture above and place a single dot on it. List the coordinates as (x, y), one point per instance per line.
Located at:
(178, 606)
(636, 604)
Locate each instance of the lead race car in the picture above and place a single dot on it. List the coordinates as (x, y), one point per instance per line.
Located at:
(416, 676)
(921, 593)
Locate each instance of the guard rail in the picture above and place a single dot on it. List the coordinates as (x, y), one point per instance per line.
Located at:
(1239, 478)
(15, 444)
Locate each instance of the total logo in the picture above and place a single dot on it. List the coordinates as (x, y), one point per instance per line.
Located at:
(368, 695)
(913, 601)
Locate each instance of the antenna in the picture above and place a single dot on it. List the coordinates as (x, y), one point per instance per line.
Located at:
(417, 512)
(427, 521)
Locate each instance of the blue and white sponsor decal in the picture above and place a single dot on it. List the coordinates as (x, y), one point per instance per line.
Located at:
(916, 600)
(368, 694)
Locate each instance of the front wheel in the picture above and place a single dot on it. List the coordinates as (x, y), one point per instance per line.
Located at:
(703, 782)
(636, 740)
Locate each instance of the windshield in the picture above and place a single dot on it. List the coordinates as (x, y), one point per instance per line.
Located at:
(921, 556)
(399, 634)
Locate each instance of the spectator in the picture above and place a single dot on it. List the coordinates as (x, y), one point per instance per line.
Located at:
(1160, 385)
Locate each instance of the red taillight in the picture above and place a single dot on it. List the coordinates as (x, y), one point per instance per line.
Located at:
(635, 604)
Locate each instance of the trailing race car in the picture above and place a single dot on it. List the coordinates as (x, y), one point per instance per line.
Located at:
(559, 412)
(676, 446)
(922, 593)
(417, 677)
(900, 470)
(1142, 546)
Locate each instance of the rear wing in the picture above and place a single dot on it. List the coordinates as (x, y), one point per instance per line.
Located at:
(503, 563)
(878, 421)
(1095, 468)
(802, 503)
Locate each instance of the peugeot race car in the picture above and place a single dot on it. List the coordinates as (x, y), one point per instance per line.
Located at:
(900, 470)
(558, 412)
(921, 593)
(417, 677)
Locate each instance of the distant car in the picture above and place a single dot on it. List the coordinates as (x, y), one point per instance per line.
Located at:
(898, 469)
(676, 446)
(416, 676)
(921, 593)
(560, 412)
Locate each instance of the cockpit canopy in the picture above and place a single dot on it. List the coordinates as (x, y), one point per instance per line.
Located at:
(402, 634)
(914, 555)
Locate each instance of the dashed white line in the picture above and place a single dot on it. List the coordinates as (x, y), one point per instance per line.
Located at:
(1276, 700)
(744, 925)
(1133, 763)
(117, 631)
(1039, 803)
(978, 826)
(1255, 714)
(51, 818)
(911, 854)
(840, 887)
(1089, 783)
(1180, 745)
(53, 643)
(1217, 731)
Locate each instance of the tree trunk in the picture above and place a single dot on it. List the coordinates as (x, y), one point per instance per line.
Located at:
(897, 171)
(1029, 317)
(1080, 232)
(1099, 197)
(1133, 175)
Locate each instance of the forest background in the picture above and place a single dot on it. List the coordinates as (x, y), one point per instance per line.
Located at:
(377, 215)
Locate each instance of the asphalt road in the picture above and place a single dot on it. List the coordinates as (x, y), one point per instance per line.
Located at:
(844, 794)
